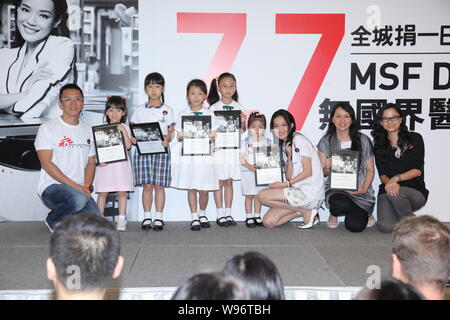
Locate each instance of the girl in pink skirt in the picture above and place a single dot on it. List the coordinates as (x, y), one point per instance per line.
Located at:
(117, 176)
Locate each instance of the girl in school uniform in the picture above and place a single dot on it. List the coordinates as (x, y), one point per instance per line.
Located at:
(153, 171)
(117, 176)
(226, 160)
(256, 126)
(196, 174)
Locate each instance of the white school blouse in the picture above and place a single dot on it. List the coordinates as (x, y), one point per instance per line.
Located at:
(227, 160)
(193, 172)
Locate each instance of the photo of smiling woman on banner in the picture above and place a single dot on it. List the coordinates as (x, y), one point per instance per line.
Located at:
(39, 62)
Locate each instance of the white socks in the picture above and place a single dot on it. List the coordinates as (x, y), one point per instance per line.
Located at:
(194, 216)
(227, 212)
(147, 215)
(158, 216)
(249, 215)
(220, 213)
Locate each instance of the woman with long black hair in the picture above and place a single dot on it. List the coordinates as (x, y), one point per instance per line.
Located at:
(303, 192)
(399, 157)
(343, 134)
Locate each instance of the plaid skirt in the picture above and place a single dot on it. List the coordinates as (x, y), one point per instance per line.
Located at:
(152, 169)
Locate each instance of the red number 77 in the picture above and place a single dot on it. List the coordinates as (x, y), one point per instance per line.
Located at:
(332, 28)
(232, 25)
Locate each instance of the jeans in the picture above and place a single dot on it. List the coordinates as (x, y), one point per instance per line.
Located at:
(64, 200)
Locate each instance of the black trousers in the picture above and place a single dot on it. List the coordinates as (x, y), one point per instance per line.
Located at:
(355, 217)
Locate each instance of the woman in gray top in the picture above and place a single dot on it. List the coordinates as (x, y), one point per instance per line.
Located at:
(357, 206)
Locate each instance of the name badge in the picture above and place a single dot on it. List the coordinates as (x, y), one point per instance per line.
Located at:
(346, 145)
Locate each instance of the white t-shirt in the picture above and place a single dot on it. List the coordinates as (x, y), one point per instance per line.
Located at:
(314, 185)
(71, 145)
(162, 114)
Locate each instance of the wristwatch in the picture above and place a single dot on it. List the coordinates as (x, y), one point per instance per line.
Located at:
(90, 187)
(399, 178)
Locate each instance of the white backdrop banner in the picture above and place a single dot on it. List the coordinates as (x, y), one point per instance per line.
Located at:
(304, 56)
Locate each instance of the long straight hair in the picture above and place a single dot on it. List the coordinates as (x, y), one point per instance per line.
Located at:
(213, 96)
(354, 133)
(289, 118)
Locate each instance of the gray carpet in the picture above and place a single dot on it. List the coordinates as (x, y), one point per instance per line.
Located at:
(317, 257)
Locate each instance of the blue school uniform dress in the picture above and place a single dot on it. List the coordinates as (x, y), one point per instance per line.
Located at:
(153, 169)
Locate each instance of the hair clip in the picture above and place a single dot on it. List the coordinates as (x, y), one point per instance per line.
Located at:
(124, 99)
(217, 78)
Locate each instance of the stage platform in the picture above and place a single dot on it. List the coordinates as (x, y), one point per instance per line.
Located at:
(315, 264)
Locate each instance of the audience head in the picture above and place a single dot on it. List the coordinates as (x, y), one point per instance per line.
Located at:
(390, 289)
(259, 273)
(421, 254)
(211, 286)
(84, 256)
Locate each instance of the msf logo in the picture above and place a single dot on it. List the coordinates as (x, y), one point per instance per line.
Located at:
(65, 142)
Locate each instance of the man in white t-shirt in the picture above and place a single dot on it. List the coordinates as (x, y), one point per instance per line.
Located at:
(66, 151)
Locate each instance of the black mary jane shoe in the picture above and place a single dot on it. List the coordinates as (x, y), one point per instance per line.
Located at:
(230, 221)
(204, 223)
(222, 222)
(158, 227)
(146, 226)
(258, 221)
(250, 222)
(195, 227)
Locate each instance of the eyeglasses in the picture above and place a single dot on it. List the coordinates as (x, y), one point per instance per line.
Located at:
(67, 99)
(391, 119)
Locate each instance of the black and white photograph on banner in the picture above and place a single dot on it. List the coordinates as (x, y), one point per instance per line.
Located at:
(92, 43)
(46, 44)
(196, 132)
(229, 129)
(149, 137)
(268, 165)
(109, 144)
(344, 170)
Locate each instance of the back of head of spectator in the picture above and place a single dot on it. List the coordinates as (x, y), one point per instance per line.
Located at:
(259, 274)
(390, 289)
(84, 257)
(211, 286)
(421, 254)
